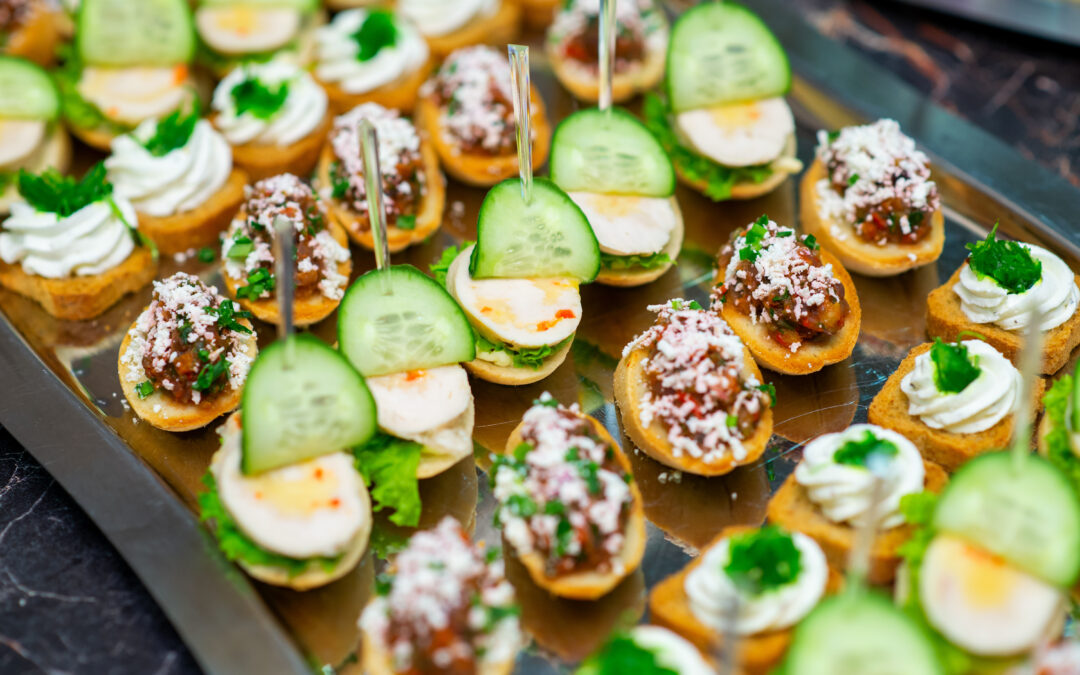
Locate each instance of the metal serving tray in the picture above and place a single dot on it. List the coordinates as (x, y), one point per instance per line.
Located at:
(61, 395)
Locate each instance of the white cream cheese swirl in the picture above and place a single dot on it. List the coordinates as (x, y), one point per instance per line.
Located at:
(844, 492)
(1055, 294)
(336, 54)
(181, 180)
(672, 651)
(439, 17)
(987, 399)
(301, 112)
(90, 241)
(711, 591)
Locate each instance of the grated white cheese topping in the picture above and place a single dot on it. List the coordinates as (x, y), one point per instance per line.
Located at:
(476, 80)
(399, 144)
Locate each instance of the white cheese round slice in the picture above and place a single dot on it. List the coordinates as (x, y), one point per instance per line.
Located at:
(131, 95)
(19, 139)
(628, 224)
(420, 400)
(981, 603)
(314, 508)
(743, 134)
(519, 312)
(244, 29)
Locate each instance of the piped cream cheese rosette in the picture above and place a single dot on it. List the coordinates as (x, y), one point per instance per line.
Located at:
(371, 55)
(772, 577)
(178, 174)
(995, 292)
(449, 26)
(72, 245)
(831, 493)
(31, 136)
(952, 400)
(443, 600)
(647, 649)
(869, 198)
(130, 63)
(234, 31)
(640, 47)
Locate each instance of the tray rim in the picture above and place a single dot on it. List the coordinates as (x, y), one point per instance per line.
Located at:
(105, 477)
(1057, 20)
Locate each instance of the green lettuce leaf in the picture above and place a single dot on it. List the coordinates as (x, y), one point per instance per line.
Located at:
(719, 179)
(609, 261)
(390, 464)
(440, 267)
(238, 546)
(524, 357)
(1059, 452)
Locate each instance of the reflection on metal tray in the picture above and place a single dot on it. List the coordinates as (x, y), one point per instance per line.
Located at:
(1057, 20)
(62, 397)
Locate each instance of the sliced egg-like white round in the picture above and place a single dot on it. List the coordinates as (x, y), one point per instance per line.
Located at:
(519, 312)
(305, 510)
(628, 224)
(131, 95)
(420, 400)
(246, 29)
(981, 603)
(741, 134)
(19, 139)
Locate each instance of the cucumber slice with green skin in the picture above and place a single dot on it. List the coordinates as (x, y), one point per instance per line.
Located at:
(26, 91)
(317, 405)
(609, 153)
(135, 33)
(1026, 512)
(548, 237)
(1074, 402)
(723, 53)
(400, 319)
(863, 633)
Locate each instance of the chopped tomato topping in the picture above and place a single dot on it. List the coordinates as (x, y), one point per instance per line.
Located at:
(335, 502)
(318, 473)
(564, 314)
(413, 375)
(180, 74)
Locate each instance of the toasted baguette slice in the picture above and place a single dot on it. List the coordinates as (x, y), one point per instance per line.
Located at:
(307, 309)
(538, 13)
(641, 276)
(670, 607)
(80, 298)
(262, 161)
(857, 254)
(428, 216)
(54, 151)
(200, 226)
(946, 320)
(475, 168)
(631, 386)
(514, 376)
(164, 412)
(889, 409)
(810, 357)
(397, 95)
(584, 83)
(792, 509)
(315, 574)
(750, 190)
(376, 660)
(590, 585)
(38, 34)
(497, 29)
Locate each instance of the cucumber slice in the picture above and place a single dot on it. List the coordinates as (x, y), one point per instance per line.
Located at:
(723, 53)
(135, 33)
(609, 153)
(548, 237)
(318, 405)
(26, 91)
(1025, 512)
(860, 633)
(1074, 402)
(401, 319)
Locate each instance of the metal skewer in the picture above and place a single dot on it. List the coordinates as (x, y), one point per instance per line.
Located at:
(607, 52)
(1030, 363)
(519, 85)
(284, 244)
(369, 151)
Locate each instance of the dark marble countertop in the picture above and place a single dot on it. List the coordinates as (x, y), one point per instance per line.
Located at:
(69, 603)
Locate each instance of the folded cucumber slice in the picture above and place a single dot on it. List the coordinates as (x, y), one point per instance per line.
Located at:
(609, 153)
(316, 405)
(860, 633)
(400, 319)
(548, 237)
(1026, 512)
(721, 53)
(26, 91)
(135, 32)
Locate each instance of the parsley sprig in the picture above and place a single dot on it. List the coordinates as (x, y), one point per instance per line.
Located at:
(954, 368)
(263, 101)
(258, 282)
(172, 132)
(228, 315)
(375, 34)
(622, 655)
(52, 192)
(1007, 263)
(755, 234)
(865, 451)
(763, 560)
